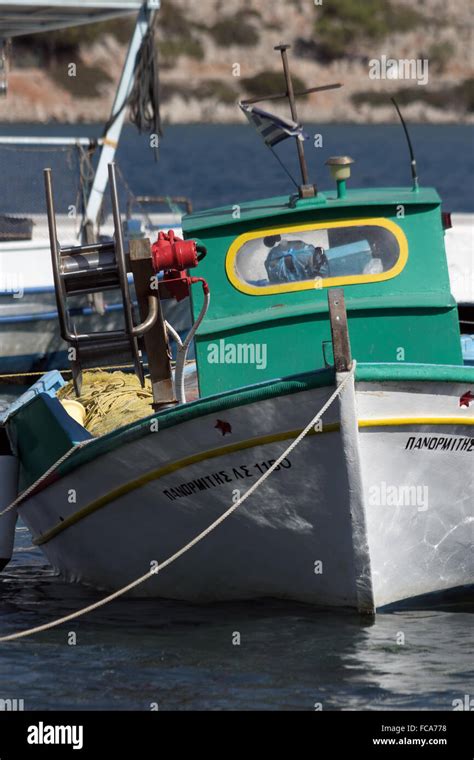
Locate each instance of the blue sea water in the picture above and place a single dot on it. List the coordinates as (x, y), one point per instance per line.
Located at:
(225, 164)
(134, 654)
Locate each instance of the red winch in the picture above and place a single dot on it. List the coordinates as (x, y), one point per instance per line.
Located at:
(171, 252)
(172, 256)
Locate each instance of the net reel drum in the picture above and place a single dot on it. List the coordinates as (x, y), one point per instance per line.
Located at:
(105, 266)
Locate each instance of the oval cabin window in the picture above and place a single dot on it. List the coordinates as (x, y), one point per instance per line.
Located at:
(318, 255)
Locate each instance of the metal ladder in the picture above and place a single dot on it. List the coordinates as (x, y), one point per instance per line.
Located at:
(99, 267)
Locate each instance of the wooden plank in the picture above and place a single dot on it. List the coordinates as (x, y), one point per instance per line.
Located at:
(155, 339)
(339, 330)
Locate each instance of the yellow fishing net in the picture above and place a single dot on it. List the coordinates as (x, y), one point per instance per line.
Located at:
(111, 399)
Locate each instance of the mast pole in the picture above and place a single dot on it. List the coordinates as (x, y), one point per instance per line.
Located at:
(111, 138)
(306, 189)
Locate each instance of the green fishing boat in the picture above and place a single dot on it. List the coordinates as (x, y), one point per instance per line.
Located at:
(320, 447)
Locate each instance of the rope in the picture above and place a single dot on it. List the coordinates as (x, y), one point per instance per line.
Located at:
(183, 347)
(283, 166)
(63, 371)
(110, 400)
(138, 581)
(86, 176)
(144, 98)
(133, 198)
(174, 207)
(91, 369)
(45, 475)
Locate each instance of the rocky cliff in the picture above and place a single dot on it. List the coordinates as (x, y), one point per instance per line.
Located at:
(213, 53)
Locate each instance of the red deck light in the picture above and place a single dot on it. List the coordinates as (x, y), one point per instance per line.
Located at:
(446, 218)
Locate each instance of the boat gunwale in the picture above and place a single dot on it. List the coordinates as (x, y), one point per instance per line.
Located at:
(179, 464)
(322, 378)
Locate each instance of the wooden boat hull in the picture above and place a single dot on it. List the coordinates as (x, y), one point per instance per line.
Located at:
(131, 499)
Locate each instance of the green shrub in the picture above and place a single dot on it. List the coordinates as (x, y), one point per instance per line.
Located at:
(62, 44)
(216, 88)
(171, 49)
(439, 54)
(208, 88)
(403, 97)
(120, 28)
(176, 36)
(86, 83)
(234, 30)
(401, 18)
(270, 83)
(172, 21)
(460, 97)
(465, 93)
(341, 24)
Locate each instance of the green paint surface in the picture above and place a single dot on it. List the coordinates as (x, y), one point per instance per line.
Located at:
(411, 317)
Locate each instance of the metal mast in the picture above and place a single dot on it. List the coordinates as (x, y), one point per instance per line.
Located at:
(306, 189)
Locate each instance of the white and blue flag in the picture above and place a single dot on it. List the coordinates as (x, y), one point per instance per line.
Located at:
(273, 129)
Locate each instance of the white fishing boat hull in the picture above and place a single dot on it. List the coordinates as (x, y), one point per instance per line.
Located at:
(30, 336)
(324, 529)
(419, 489)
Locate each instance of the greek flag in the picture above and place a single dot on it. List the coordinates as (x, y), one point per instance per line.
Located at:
(271, 128)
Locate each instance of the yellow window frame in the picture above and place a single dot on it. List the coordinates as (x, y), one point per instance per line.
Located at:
(329, 282)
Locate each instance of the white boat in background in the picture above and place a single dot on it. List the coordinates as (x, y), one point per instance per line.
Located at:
(459, 242)
(460, 255)
(29, 335)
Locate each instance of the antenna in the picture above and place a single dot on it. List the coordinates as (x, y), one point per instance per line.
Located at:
(414, 171)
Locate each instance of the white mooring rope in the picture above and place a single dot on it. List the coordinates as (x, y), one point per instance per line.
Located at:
(22, 496)
(138, 581)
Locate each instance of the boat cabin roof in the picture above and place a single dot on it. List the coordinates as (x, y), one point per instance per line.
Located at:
(328, 201)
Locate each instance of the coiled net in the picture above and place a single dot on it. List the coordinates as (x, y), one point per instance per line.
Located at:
(110, 399)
